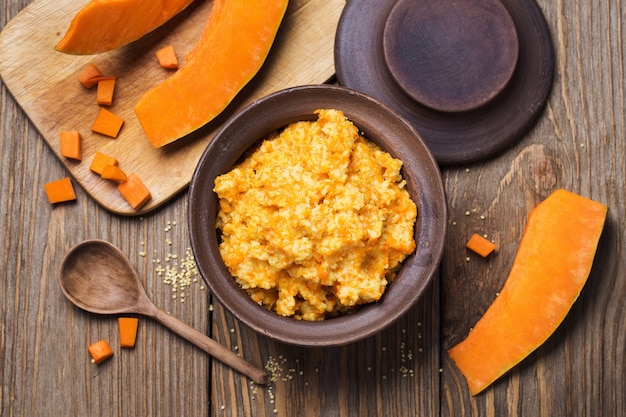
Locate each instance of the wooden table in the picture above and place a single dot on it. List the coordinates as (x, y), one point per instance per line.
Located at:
(578, 144)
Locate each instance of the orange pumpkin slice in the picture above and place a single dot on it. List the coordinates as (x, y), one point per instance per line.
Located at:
(551, 267)
(231, 50)
(103, 25)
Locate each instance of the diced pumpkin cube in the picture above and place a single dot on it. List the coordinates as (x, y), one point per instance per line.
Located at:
(134, 191)
(104, 95)
(113, 173)
(107, 123)
(71, 145)
(480, 245)
(100, 161)
(167, 57)
(60, 191)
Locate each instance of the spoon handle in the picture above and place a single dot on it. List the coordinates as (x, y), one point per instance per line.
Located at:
(210, 346)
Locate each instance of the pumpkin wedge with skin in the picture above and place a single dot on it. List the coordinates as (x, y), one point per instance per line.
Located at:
(104, 25)
(231, 50)
(551, 267)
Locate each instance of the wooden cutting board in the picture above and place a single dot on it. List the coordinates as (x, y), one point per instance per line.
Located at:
(43, 81)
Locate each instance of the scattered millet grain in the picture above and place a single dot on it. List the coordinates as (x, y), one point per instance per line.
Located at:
(178, 272)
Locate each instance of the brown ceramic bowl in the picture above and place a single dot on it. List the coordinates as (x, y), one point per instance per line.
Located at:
(380, 125)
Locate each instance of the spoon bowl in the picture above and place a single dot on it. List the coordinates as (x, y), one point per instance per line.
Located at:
(96, 276)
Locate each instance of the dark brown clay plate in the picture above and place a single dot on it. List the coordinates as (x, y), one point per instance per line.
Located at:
(462, 128)
(378, 124)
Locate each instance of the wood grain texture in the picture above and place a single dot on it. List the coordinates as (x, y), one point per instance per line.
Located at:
(46, 370)
(578, 143)
(385, 375)
(53, 100)
(449, 43)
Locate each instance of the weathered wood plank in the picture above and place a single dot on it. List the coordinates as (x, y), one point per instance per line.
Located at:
(577, 144)
(395, 373)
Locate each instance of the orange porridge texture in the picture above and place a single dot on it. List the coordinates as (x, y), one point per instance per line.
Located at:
(316, 220)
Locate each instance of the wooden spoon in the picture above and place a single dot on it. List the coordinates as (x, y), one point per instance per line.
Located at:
(97, 277)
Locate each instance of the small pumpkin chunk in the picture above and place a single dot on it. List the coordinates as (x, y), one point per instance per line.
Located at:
(550, 268)
(71, 144)
(100, 351)
(480, 245)
(113, 173)
(107, 123)
(60, 191)
(104, 95)
(90, 76)
(101, 161)
(134, 191)
(167, 57)
(128, 331)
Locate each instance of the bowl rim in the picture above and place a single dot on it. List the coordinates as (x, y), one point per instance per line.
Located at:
(373, 119)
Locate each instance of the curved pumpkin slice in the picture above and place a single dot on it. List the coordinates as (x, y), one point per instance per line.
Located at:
(231, 50)
(551, 267)
(103, 25)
